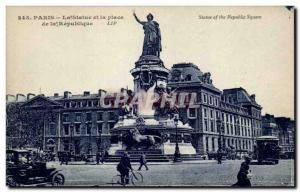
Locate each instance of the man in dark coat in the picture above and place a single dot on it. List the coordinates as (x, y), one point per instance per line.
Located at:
(64, 158)
(68, 157)
(219, 156)
(102, 156)
(98, 156)
(123, 167)
(61, 158)
(242, 177)
(143, 162)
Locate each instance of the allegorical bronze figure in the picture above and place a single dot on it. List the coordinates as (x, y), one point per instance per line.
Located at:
(152, 39)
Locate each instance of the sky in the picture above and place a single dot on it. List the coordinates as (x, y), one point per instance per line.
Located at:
(256, 54)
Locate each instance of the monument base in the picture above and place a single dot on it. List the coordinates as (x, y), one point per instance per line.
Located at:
(114, 148)
(162, 128)
(149, 60)
(185, 148)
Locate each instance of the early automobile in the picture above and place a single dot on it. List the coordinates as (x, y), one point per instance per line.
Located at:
(22, 170)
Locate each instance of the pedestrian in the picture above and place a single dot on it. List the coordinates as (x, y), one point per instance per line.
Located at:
(123, 167)
(242, 176)
(143, 162)
(219, 157)
(64, 158)
(98, 157)
(61, 158)
(102, 157)
(67, 157)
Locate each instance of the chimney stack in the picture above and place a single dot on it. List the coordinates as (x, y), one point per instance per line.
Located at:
(20, 97)
(101, 92)
(252, 97)
(30, 96)
(10, 98)
(67, 94)
(86, 93)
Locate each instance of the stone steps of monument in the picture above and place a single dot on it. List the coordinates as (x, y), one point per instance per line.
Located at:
(137, 159)
(187, 157)
(152, 155)
(155, 158)
(139, 152)
(138, 155)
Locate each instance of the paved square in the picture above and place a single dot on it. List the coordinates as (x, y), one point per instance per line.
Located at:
(207, 173)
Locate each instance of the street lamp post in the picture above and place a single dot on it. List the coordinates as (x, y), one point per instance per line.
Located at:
(90, 142)
(177, 152)
(221, 129)
(71, 138)
(220, 138)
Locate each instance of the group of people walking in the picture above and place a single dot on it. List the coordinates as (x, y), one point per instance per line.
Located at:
(65, 157)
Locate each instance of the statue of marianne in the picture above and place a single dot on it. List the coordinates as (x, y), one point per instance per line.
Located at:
(152, 39)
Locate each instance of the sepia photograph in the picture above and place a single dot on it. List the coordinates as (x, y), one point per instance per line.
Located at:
(150, 96)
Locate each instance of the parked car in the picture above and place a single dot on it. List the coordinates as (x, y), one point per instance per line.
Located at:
(22, 170)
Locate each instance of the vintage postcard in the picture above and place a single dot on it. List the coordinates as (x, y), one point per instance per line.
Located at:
(150, 96)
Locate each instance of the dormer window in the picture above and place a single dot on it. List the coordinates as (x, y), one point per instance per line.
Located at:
(89, 103)
(67, 104)
(188, 77)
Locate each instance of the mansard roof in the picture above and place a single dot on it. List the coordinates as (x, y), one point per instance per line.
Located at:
(189, 75)
(240, 96)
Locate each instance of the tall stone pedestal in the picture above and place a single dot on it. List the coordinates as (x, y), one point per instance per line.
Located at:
(148, 70)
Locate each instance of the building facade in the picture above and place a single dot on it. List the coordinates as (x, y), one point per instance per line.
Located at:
(283, 128)
(270, 127)
(286, 134)
(73, 123)
(228, 119)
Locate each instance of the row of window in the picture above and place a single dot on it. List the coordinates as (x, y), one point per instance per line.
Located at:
(209, 99)
(210, 113)
(83, 103)
(209, 126)
(233, 108)
(229, 129)
(238, 144)
(87, 116)
(213, 114)
(236, 119)
(256, 113)
(79, 129)
(256, 133)
(256, 124)
(211, 144)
